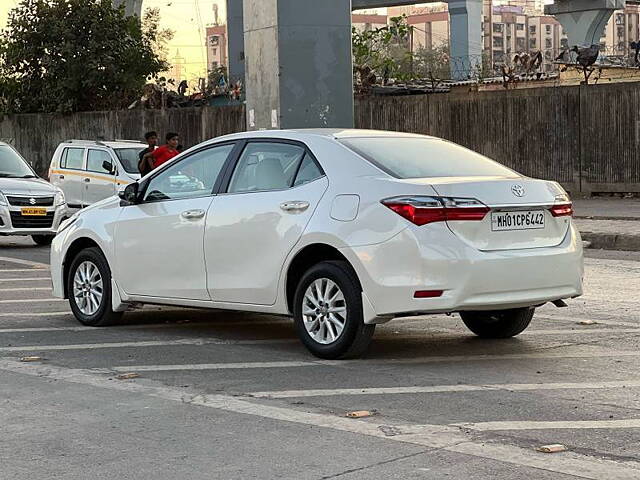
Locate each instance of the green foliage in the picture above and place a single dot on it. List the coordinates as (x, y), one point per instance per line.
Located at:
(432, 63)
(76, 55)
(385, 51)
(155, 36)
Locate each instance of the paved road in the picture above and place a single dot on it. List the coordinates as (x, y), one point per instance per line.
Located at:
(234, 396)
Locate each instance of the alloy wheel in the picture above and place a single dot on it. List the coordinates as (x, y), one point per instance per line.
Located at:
(324, 311)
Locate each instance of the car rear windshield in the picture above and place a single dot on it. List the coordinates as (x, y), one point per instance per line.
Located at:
(13, 165)
(414, 157)
(129, 158)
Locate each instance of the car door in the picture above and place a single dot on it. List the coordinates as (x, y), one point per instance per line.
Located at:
(159, 242)
(68, 176)
(251, 228)
(99, 182)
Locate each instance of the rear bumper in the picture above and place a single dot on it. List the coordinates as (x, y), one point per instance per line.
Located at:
(433, 258)
(7, 227)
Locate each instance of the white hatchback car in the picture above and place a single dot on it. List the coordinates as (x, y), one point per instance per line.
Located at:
(342, 229)
(29, 205)
(89, 171)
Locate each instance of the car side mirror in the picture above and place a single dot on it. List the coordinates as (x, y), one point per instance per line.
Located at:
(129, 196)
(108, 166)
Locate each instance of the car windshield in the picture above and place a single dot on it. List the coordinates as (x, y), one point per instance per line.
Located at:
(13, 165)
(416, 157)
(129, 158)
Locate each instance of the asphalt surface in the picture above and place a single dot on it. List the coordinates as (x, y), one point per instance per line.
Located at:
(225, 395)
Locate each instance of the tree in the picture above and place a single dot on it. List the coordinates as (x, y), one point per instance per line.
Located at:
(383, 53)
(432, 63)
(157, 37)
(75, 55)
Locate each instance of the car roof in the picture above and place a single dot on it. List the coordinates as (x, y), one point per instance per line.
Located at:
(333, 133)
(106, 143)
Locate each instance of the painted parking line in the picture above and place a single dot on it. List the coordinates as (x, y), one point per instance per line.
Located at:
(41, 314)
(222, 366)
(22, 270)
(26, 289)
(28, 263)
(34, 300)
(511, 387)
(546, 425)
(452, 439)
(142, 344)
(32, 279)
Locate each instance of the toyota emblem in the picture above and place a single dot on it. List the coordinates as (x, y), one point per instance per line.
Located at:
(32, 201)
(518, 190)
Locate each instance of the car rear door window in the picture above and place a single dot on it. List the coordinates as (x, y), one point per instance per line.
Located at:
(73, 158)
(266, 166)
(96, 158)
(308, 172)
(192, 177)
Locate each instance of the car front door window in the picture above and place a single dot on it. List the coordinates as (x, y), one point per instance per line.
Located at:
(193, 177)
(266, 166)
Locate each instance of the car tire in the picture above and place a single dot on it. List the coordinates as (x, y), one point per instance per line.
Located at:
(499, 323)
(43, 240)
(320, 331)
(91, 304)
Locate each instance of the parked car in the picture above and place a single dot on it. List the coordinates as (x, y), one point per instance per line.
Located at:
(90, 171)
(340, 229)
(28, 204)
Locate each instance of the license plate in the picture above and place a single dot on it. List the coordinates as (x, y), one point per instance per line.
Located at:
(520, 220)
(31, 212)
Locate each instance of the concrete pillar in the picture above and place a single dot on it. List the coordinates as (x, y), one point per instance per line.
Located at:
(465, 38)
(235, 33)
(584, 21)
(298, 63)
(132, 7)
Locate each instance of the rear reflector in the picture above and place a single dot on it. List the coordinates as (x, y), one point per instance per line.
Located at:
(562, 210)
(421, 210)
(428, 293)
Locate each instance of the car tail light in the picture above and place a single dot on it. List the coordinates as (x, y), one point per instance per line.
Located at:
(421, 210)
(562, 210)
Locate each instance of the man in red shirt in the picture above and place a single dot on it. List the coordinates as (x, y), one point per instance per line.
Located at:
(166, 152)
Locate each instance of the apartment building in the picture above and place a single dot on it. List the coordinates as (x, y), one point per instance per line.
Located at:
(216, 42)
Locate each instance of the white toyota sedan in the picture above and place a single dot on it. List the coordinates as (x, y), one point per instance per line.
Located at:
(341, 229)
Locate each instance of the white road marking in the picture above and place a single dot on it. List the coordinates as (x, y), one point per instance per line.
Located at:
(221, 366)
(512, 387)
(449, 438)
(40, 314)
(33, 279)
(553, 425)
(144, 326)
(598, 321)
(34, 300)
(29, 263)
(150, 343)
(25, 289)
(20, 270)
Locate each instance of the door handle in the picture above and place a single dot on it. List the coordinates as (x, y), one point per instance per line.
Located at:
(294, 207)
(192, 214)
(87, 180)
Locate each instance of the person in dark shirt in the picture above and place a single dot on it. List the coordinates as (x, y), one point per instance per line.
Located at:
(144, 164)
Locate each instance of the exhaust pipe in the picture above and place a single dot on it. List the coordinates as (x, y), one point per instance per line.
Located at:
(560, 303)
